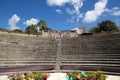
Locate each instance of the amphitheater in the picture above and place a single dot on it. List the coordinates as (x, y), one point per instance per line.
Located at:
(20, 52)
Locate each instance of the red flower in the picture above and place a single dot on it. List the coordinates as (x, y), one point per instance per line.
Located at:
(84, 78)
(47, 76)
(90, 78)
(20, 78)
(68, 73)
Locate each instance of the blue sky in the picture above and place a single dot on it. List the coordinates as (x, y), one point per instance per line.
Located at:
(58, 14)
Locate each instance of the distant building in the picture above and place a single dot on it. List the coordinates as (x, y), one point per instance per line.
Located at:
(78, 30)
(38, 28)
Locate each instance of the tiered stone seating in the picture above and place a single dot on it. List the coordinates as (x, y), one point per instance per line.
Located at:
(26, 50)
(92, 53)
(101, 52)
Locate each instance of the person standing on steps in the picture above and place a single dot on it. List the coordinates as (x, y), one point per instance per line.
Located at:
(59, 41)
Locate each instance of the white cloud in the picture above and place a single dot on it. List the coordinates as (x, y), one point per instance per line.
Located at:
(79, 16)
(31, 21)
(69, 11)
(107, 10)
(58, 11)
(57, 2)
(115, 11)
(77, 4)
(13, 21)
(115, 8)
(99, 8)
(71, 20)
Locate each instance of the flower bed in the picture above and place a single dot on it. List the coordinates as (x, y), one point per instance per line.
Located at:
(69, 76)
(29, 76)
(86, 75)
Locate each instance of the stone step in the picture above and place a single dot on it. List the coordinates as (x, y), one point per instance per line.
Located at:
(25, 68)
(66, 59)
(32, 61)
(24, 64)
(27, 59)
(90, 57)
(106, 69)
(91, 64)
(89, 53)
(117, 62)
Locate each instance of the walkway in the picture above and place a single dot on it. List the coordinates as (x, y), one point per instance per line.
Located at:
(62, 76)
(58, 59)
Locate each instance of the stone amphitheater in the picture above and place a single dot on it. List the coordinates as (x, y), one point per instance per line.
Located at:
(88, 53)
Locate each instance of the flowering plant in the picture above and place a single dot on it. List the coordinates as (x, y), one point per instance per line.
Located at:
(29, 76)
(85, 75)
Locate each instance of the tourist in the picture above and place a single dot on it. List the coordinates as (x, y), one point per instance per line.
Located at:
(59, 41)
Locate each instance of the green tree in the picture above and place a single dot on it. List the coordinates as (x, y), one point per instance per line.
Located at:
(107, 26)
(31, 29)
(94, 30)
(17, 31)
(43, 26)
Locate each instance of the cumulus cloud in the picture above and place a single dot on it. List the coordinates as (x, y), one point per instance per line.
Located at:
(115, 8)
(77, 4)
(115, 11)
(99, 8)
(58, 11)
(69, 11)
(31, 21)
(13, 21)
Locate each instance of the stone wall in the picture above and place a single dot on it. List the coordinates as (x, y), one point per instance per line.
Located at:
(66, 33)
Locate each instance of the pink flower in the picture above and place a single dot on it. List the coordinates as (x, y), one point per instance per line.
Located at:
(79, 76)
(10, 75)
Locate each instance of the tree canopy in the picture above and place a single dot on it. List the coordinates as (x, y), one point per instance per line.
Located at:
(17, 31)
(105, 26)
(43, 26)
(94, 29)
(31, 29)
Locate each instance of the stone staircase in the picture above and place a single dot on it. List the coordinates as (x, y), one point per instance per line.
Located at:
(92, 53)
